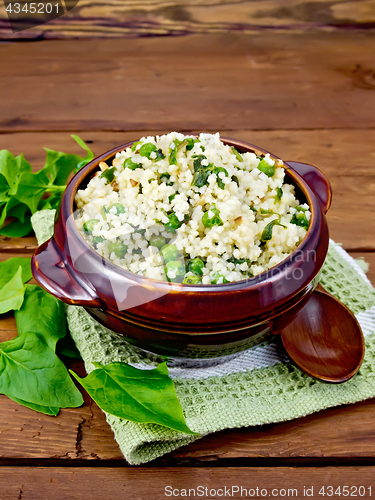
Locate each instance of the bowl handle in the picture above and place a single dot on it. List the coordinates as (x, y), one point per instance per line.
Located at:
(316, 180)
(56, 276)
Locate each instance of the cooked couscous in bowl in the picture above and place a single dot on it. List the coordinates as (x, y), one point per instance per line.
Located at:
(191, 210)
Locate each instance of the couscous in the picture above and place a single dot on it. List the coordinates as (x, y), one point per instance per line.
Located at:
(191, 210)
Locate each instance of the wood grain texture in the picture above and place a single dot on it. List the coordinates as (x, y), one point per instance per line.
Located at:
(219, 82)
(83, 433)
(353, 182)
(121, 18)
(145, 483)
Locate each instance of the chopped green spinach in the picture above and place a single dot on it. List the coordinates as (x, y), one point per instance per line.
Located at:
(148, 148)
(108, 174)
(219, 181)
(212, 219)
(264, 167)
(236, 153)
(129, 163)
(267, 231)
(299, 218)
(279, 194)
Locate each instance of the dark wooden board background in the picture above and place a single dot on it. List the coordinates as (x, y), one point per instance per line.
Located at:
(121, 18)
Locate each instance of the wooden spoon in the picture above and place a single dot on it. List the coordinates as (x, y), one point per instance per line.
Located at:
(325, 339)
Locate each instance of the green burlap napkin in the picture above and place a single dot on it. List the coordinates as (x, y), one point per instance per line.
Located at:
(258, 387)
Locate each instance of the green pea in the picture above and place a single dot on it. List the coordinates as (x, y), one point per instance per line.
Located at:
(192, 280)
(119, 248)
(89, 225)
(169, 252)
(120, 209)
(177, 268)
(216, 277)
(196, 266)
(212, 221)
(157, 240)
(173, 224)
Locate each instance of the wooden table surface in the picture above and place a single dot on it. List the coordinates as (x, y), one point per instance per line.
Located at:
(296, 78)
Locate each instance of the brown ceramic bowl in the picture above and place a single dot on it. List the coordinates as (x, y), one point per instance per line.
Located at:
(185, 321)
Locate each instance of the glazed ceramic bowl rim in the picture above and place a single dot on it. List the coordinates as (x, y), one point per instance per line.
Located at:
(275, 271)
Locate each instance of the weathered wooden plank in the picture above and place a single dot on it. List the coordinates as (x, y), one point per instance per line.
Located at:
(145, 483)
(341, 152)
(82, 433)
(127, 18)
(218, 82)
(345, 156)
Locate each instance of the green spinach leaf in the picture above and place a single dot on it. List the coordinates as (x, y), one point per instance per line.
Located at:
(67, 347)
(9, 267)
(31, 371)
(22, 192)
(48, 410)
(146, 396)
(16, 229)
(89, 155)
(11, 294)
(42, 314)
(31, 188)
(9, 169)
(4, 188)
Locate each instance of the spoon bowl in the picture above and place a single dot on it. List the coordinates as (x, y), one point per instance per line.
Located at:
(325, 339)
